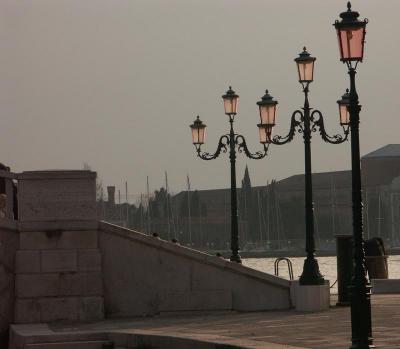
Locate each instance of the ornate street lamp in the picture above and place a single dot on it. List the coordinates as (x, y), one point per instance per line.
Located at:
(351, 34)
(306, 122)
(343, 104)
(232, 141)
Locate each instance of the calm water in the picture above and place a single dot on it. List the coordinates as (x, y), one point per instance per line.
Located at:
(327, 266)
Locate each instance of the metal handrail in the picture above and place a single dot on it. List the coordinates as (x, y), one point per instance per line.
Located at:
(289, 264)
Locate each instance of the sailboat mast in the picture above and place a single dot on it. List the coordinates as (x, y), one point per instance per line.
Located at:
(142, 228)
(259, 215)
(333, 197)
(367, 211)
(379, 215)
(268, 216)
(119, 205)
(190, 218)
(126, 197)
(167, 205)
(148, 206)
(392, 214)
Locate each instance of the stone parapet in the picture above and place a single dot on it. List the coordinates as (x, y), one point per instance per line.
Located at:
(149, 276)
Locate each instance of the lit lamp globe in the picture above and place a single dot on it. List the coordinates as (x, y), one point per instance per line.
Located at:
(198, 132)
(267, 108)
(351, 35)
(230, 102)
(305, 66)
(265, 133)
(343, 104)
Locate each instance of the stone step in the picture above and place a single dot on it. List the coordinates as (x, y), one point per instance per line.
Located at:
(385, 286)
(68, 345)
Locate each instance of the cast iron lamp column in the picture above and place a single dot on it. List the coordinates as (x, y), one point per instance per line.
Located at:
(305, 122)
(231, 140)
(351, 35)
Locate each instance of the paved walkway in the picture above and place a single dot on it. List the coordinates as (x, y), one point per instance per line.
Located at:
(325, 330)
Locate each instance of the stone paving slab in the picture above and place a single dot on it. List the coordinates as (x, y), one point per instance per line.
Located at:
(274, 329)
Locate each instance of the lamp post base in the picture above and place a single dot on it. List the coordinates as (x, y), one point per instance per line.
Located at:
(311, 274)
(236, 258)
(361, 316)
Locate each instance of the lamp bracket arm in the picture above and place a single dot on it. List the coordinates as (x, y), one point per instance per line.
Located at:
(319, 122)
(294, 125)
(222, 146)
(240, 141)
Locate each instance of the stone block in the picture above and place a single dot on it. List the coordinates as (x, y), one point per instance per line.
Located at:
(6, 299)
(27, 262)
(81, 284)
(58, 239)
(77, 239)
(38, 240)
(53, 309)
(310, 298)
(57, 195)
(59, 261)
(37, 285)
(89, 260)
(27, 311)
(91, 308)
(94, 284)
(385, 286)
(58, 225)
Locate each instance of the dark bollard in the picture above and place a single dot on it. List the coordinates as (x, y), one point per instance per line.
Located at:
(376, 259)
(345, 267)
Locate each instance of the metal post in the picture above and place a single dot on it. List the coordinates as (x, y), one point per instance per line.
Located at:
(345, 272)
(360, 289)
(311, 274)
(232, 141)
(235, 257)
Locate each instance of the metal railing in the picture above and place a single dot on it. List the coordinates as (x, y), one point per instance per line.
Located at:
(289, 264)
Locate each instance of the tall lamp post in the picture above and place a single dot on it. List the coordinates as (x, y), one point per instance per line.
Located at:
(231, 141)
(351, 34)
(306, 122)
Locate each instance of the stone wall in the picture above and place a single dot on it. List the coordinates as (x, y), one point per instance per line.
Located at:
(58, 264)
(58, 277)
(144, 275)
(8, 246)
(70, 267)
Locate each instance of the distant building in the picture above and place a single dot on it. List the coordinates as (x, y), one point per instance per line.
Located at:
(273, 216)
(279, 219)
(112, 212)
(381, 189)
(381, 166)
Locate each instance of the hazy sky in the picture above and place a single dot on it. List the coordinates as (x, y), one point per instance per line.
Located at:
(116, 83)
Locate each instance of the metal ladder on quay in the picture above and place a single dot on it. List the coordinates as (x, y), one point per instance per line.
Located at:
(289, 265)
